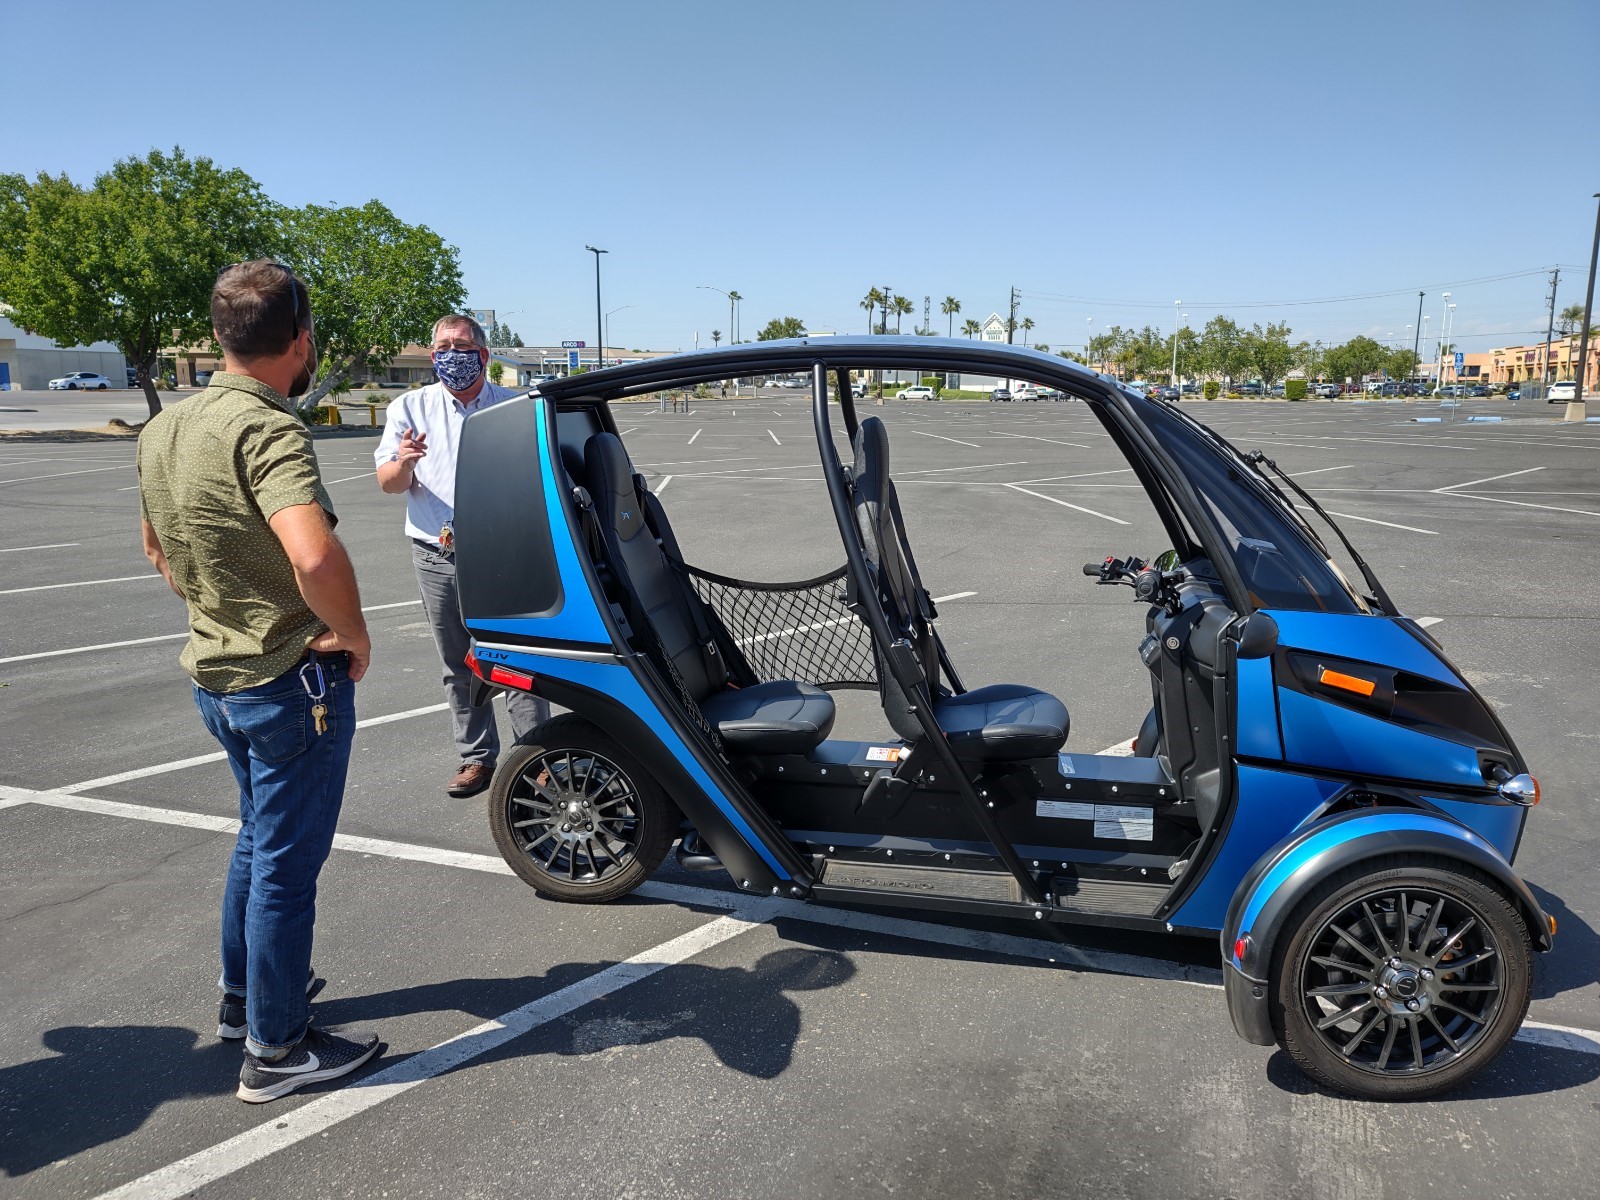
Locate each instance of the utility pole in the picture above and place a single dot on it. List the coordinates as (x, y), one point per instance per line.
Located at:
(1416, 344)
(599, 318)
(888, 295)
(1550, 325)
(1576, 409)
(1011, 322)
(927, 320)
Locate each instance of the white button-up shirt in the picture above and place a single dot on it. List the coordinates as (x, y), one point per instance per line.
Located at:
(435, 413)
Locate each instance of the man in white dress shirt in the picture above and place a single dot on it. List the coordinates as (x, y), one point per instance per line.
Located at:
(417, 457)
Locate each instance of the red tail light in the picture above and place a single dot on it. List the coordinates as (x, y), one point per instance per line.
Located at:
(504, 676)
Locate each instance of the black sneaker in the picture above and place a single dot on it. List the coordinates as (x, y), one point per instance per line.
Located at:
(231, 1019)
(315, 1057)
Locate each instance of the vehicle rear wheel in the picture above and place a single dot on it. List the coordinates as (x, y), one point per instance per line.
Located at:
(100, 387)
(1402, 979)
(576, 817)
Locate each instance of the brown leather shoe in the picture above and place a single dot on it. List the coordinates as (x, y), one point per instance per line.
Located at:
(471, 779)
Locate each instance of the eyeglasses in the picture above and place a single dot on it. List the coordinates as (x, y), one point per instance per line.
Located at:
(455, 344)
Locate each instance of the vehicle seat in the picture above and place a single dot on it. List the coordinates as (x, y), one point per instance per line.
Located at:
(1002, 722)
(779, 717)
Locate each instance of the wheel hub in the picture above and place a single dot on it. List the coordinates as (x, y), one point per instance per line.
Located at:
(1403, 988)
(577, 816)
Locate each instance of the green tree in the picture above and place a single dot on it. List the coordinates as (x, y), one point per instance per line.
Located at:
(376, 283)
(950, 308)
(1222, 348)
(782, 327)
(1570, 320)
(1027, 328)
(870, 302)
(497, 370)
(1269, 352)
(132, 259)
(1311, 357)
(971, 328)
(1189, 363)
(902, 308)
(1402, 364)
(1356, 359)
(716, 337)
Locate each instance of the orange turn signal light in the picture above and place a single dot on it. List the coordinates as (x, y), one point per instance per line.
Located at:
(1348, 683)
(1552, 921)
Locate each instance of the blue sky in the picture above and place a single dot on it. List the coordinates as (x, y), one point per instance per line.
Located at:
(1105, 158)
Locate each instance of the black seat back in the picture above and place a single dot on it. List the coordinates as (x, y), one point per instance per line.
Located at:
(890, 563)
(659, 598)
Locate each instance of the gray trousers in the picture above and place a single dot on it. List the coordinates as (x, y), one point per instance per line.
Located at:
(477, 738)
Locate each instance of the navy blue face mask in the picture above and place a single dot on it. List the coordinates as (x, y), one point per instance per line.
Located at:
(458, 370)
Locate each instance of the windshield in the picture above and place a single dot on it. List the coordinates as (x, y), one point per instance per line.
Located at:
(1283, 562)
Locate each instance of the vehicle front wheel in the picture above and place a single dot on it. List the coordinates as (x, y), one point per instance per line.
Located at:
(1402, 979)
(100, 387)
(576, 817)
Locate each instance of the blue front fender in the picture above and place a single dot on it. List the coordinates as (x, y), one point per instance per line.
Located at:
(1286, 875)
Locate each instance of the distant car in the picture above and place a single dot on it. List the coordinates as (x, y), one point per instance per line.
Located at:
(1000, 393)
(80, 381)
(202, 379)
(1326, 391)
(1559, 393)
(1048, 393)
(919, 391)
(1250, 389)
(1513, 393)
(1025, 391)
(1278, 389)
(1190, 388)
(1477, 390)
(133, 377)
(794, 382)
(858, 391)
(772, 383)
(1170, 394)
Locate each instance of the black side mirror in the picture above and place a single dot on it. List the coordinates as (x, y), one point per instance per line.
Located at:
(1259, 636)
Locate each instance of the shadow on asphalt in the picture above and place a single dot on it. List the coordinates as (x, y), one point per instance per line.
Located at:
(101, 1084)
(1521, 1069)
(1574, 960)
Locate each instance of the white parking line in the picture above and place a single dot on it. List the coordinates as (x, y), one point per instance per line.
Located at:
(1036, 438)
(662, 486)
(49, 546)
(160, 637)
(697, 433)
(1075, 507)
(1582, 512)
(942, 438)
(1375, 521)
(282, 1130)
(1455, 487)
(348, 478)
(62, 474)
(774, 438)
(1080, 475)
(1320, 470)
(50, 587)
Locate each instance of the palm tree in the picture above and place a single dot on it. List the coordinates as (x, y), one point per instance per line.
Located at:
(902, 307)
(1027, 327)
(870, 302)
(971, 328)
(734, 298)
(716, 337)
(950, 308)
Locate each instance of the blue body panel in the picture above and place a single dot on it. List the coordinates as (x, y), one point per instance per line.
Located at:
(1304, 856)
(578, 619)
(1320, 733)
(1258, 735)
(1498, 824)
(617, 681)
(1370, 638)
(1270, 805)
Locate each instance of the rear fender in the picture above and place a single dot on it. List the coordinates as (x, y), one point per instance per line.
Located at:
(1288, 873)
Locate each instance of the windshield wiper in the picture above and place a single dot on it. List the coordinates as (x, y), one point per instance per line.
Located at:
(1257, 459)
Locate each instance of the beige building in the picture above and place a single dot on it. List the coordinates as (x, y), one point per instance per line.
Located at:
(29, 361)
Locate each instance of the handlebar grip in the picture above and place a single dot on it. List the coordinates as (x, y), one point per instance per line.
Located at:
(1092, 569)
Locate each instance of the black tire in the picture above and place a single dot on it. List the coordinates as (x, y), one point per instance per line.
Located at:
(1406, 1031)
(627, 821)
(99, 387)
(72, 387)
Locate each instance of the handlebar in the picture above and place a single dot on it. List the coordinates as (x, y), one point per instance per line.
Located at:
(1150, 585)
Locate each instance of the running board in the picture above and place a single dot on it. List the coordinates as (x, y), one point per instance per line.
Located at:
(1131, 898)
(933, 882)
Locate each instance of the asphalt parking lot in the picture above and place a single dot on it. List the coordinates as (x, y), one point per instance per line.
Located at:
(695, 1042)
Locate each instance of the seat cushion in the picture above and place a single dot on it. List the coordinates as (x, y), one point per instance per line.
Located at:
(1003, 721)
(782, 717)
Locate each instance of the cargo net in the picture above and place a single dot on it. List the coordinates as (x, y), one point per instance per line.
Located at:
(801, 631)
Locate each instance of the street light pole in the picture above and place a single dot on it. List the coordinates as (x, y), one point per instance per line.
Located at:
(608, 318)
(1444, 311)
(1089, 341)
(1416, 345)
(599, 319)
(1176, 317)
(1576, 409)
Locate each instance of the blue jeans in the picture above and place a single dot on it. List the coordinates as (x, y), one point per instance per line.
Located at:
(291, 784)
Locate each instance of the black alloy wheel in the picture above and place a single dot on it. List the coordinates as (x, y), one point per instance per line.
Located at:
(1402, 983)
(575, 816)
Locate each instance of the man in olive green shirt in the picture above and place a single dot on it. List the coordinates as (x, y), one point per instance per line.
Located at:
(237, 521)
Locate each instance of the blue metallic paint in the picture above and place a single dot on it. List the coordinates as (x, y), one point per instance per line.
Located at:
(1270, 805)
(1498, 824)
(1369, 638)
(1320, 733)
(1258, 735)
(617, 681)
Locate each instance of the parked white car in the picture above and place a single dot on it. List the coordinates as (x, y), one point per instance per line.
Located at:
(1025, 391)
(920, 391)
(1566, 389)
(80, 380)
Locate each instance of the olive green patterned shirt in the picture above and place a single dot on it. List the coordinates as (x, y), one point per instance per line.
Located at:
(212, 471)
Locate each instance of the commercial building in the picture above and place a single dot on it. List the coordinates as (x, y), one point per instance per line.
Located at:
(29, 361)
(1518, 364)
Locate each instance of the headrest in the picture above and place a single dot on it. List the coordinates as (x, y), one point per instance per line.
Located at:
(872, 460)
(611, 484)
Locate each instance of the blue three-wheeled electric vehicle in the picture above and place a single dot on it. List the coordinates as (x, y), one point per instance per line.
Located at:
(1316, 783)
